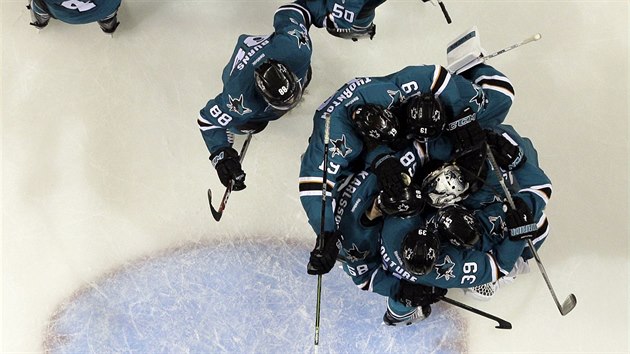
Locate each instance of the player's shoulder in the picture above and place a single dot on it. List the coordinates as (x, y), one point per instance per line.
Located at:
(293, 13)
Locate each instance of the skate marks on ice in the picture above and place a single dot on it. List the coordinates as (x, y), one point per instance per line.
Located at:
(247, 296)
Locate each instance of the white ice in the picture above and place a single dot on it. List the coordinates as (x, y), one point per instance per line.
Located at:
(103, 165)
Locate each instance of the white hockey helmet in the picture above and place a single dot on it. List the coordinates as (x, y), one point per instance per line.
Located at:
(445, 186)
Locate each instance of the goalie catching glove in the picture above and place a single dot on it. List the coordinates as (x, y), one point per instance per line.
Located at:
(228, 166)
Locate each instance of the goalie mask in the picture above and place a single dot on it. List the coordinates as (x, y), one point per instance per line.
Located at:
(278, 85)
(420, 250)
(457, 225)
(425, 117)
(445, 186)
(375, 123)
(408, 203)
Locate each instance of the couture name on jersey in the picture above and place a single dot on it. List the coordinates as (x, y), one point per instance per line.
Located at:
(395, 268)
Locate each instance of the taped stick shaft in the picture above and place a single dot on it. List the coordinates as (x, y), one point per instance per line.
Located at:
(533, 38)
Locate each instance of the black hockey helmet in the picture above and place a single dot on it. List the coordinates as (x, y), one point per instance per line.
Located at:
(408, 203)
(425, 117)
(420, 250)
(278, 85)
(457, 225)
(375, 123)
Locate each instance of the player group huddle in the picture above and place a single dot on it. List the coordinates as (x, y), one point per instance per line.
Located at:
(413, 205)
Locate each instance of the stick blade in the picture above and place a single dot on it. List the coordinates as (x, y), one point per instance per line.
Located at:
(568, 305)
(503, 324)
(215, 214)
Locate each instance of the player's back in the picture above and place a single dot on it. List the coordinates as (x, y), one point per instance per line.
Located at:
(80, 11)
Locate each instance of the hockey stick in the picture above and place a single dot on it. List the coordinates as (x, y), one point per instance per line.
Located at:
(446, 15)
(443, 8)
(533, 38)
(503, 324)
(218, 213)
(320, 239)
(570, 302)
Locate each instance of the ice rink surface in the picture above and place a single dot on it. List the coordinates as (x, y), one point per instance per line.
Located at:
(108, 244)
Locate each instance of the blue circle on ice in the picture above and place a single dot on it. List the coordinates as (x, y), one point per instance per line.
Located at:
(246, 296)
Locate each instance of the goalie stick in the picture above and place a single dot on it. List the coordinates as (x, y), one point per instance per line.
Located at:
(533, 38)
(570, 302)
(320, 239)
(217, 214)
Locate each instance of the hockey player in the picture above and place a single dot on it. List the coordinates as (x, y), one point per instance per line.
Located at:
(263, 80)
(347, 19)
(504, 233)
(360, 216)
(75, 12)
(370, 100)
(531, 190)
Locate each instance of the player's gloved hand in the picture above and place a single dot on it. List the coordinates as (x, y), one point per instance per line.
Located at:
(509, 156)
(228, 166)
(520, 221)
(391, 174)
(465, 132)
(323, 260)
(414, 295)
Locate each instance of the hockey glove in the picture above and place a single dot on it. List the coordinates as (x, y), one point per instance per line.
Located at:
(323, 260)
(509, 155)
(391, 174)
(228, 166)
(520, 222)
(464, 131)
(414, 295)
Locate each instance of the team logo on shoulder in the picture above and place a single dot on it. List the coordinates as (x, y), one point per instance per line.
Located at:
(445, 270)
(340, 147)
(395, 96)
(302, 38)
(355, 254)
(480, 97)
(237, 105)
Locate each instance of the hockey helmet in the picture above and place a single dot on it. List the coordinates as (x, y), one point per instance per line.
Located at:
(278, 85)
(425, 117)
(457, 225)
(420, 250)
(375, 123)
(445, 186)
(408, 203)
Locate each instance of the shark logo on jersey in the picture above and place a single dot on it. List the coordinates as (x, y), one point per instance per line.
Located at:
(480, 97)
(395, 96)
(355, 254)
(302, 38)
(498, 226)
(340, 147)
(445, 270)
(237, 105)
